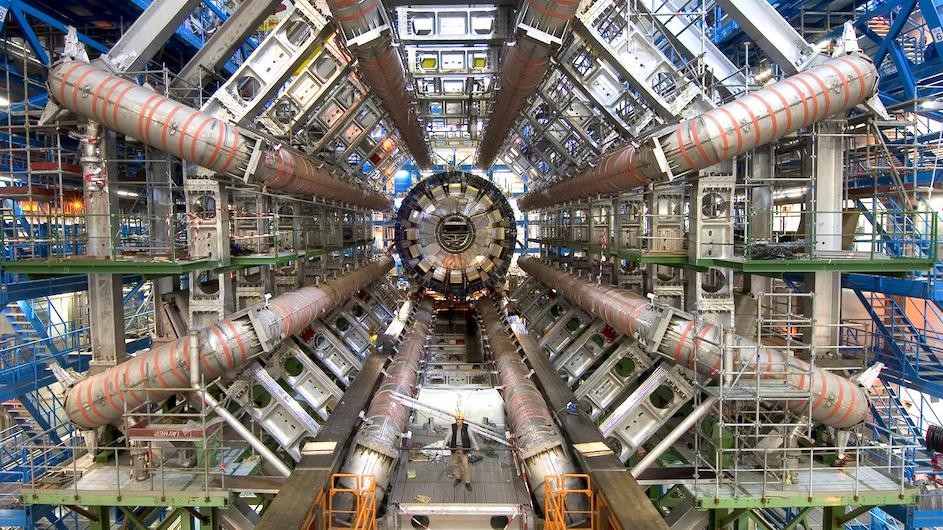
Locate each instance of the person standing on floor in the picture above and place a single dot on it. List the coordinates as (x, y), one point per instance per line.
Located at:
(460, 440)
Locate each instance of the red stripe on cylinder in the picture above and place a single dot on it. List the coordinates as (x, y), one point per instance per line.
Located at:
(225, 346)
(844, 82)
(118, 100)
(65, 80)
(78, 85)
(684, 151)
(107, 98)
(757, 134)
(824, 87)
(183, 134)
(805, 101)
(167, 122)
(736, 127)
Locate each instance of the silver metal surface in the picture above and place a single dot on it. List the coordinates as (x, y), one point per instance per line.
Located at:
(455, 233)
(774, 34)
(364, 25)
(224, 348)
(260, 77)
(676, 433)
(526, 61)
(217, 50)
(210, 402)
(646, 410)
(539, 442)
(376, 448)
(768, 114)
(149, 33)
(198, 137)
(836, 400)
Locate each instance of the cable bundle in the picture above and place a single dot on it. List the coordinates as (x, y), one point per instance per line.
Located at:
(934, 438)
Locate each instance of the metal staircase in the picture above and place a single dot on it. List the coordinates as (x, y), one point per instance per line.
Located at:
(909, 358)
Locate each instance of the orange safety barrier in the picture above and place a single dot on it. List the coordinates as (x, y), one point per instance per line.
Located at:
(346, 507)
(576, 506)
(569, 507)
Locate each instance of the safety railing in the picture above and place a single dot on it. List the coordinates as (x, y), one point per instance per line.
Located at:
(568, 507)
(576, 508)
(345, 507)
(48, 233)
(788, 234)
(116, 471)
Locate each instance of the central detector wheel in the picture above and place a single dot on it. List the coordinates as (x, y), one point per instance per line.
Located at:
(456, 233)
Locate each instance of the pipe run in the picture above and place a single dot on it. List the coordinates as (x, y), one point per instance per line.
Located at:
(525, 65)
(680, 430)
(539, 443)
(835, 87)
(526, 62)
(836, 401)
(224, 347)
(160, 122)
(209, 404)
(382, 69)
(376, 449)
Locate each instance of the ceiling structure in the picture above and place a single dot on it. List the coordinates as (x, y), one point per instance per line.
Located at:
(675, 262)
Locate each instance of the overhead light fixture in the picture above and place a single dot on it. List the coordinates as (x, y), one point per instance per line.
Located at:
(4, 101)
(931, 104)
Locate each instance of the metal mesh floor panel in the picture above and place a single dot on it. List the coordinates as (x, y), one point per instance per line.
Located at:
(494, 481)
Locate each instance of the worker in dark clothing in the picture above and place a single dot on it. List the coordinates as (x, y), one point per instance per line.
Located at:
(460, 440)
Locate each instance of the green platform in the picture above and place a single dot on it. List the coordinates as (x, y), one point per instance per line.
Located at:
(853, 263)
(85, 265)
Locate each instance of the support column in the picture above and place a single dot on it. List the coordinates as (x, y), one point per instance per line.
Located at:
(212, 295)
(666, 236)
(830, 516)
(711, 236)
(825, 233)
(105, 304)
(759, 180)
(103, 513)
(160, 211)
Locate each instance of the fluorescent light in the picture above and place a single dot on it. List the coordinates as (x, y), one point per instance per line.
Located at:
(790, 193)
(123, 193)
(4, 102)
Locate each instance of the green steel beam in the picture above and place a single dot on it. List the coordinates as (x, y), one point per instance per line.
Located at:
(257, 260)
(860, 510)
(102, 519)
(830, 515)
(163, 268)
(875, 266)
(715, 517)
(129, 515)
(104, 266)
(798, 519)
(763, 267)
(212, 498)
(641, 256)
(734, 515)
(171, 518)
(759, 520)
(186, 521)
(801, 500)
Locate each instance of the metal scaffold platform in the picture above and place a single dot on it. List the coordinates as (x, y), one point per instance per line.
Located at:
(675, 264)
